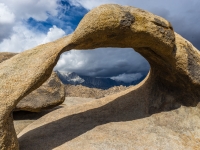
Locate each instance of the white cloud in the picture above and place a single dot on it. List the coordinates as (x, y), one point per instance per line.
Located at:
(24, 38)
(53, 34)
(15, 36)
(6, 16)
(178, 5)
(89, 4)
(21, 39)
(127, 77)
(13, 12)
(37, 9)
(7, 19)
(72, 60)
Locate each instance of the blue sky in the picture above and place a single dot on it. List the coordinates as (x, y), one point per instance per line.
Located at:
(68, 16)
(25, 24)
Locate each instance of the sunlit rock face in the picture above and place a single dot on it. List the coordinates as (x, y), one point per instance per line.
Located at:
(172, 85)
(50, 94)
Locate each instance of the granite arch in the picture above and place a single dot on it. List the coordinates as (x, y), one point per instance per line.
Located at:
(174, 78)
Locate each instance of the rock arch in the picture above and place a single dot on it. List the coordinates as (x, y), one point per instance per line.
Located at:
(173, 79)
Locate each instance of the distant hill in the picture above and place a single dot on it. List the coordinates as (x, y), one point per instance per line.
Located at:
(92, 82)
(85, 92)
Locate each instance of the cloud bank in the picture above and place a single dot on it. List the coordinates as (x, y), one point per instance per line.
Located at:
(23, 38)
(127, 78)
(26, 24)
(103, 62)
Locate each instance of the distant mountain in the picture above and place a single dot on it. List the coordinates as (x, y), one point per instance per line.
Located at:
(70, 78)
(138, 80)
(91, 82)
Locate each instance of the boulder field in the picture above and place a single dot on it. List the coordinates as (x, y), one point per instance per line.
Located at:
(162, 112)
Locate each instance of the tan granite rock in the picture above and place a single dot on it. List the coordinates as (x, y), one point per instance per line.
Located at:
(23, 118)
(72, 101)
(6, 55)
(19, 76)
(116, 122)
(48, 95)
(172, 85)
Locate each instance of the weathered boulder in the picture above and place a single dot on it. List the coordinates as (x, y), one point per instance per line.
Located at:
(48, 95)
(172, 85)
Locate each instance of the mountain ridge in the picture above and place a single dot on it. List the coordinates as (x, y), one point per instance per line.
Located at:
(73, 78)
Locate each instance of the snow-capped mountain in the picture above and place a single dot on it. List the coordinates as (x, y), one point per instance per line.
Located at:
(69, 77)
(92, 82)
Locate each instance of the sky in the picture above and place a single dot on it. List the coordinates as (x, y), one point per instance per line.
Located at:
(25, 24)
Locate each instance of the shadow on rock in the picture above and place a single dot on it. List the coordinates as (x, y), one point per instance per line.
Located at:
(131, 106)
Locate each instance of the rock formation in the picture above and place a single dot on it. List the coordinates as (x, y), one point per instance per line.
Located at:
(50, 94)
(19, 76)
(173, 83)
(6, 55)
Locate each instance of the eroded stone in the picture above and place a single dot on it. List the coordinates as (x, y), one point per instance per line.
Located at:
(48, 95)
(127, 20)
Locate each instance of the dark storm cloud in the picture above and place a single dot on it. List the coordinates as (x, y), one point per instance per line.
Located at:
(103, 62)
(183, 15)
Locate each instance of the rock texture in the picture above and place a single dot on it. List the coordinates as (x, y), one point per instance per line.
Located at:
(23, 118)
(172, 85)
(85, 92)
(74, 101)
(50, 94)
(6, 55)
(116, 122)
(19, 76)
